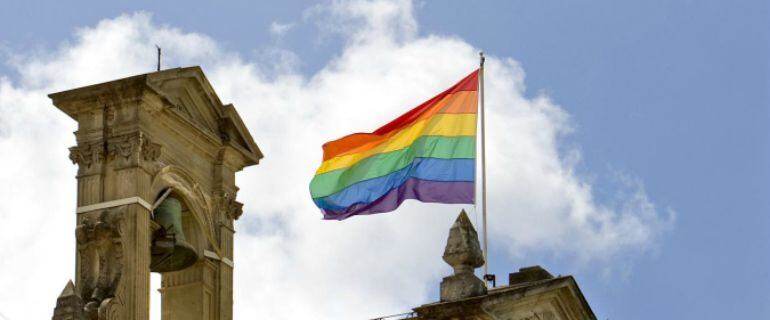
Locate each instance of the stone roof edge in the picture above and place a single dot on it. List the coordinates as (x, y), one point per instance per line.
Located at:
(567, 280)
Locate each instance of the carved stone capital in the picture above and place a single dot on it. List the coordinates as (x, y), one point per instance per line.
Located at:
(89, 157)
(229, 208)
(132, 150)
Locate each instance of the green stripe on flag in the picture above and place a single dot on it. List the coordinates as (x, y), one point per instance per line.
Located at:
(378, 165)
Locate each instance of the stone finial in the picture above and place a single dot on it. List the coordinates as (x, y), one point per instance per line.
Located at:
(69, 305)
(463, 253)
(69, 290)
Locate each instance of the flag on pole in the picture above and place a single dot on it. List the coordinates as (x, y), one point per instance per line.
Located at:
(427, 154)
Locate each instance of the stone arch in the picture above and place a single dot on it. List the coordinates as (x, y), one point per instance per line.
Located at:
(193, 199)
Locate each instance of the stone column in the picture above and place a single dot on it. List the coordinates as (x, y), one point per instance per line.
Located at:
(115, 160)
(113, 239)
(132, 157)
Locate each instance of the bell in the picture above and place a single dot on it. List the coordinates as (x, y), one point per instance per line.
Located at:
(170, 251)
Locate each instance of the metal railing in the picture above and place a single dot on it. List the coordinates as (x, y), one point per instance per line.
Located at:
(405, 315)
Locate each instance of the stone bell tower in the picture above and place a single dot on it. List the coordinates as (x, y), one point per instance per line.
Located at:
(144, 141)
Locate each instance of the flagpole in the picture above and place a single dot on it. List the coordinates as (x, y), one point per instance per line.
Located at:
(483, 163)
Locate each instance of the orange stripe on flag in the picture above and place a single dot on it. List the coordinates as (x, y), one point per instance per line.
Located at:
(463, 102)
(426, 109)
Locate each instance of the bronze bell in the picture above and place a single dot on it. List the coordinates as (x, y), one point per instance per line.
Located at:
(170, 251)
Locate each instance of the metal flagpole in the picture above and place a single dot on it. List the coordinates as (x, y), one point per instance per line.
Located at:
(483, 163)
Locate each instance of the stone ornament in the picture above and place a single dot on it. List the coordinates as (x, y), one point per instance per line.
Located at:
(463, 254)
(230, 208)
(101, 252)
(69, 306)
(131, 150)
(127, 150)
(89, 157)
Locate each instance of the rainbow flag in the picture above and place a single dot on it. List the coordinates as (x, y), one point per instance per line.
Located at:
(427, 154)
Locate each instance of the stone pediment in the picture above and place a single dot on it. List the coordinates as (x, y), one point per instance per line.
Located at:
(191, 96)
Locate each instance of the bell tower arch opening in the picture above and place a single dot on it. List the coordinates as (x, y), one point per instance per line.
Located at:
(191, 234)
(191, 272)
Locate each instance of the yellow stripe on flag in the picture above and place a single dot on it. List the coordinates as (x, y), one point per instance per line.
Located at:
(449, 125)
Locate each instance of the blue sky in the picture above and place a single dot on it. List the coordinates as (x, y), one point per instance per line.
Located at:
(671, 93)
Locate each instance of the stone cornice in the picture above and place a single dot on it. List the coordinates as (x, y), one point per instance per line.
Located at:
(76, 101)
(562, 291)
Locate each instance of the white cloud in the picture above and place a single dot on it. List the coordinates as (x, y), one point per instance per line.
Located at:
(289, 263)
(279, 29)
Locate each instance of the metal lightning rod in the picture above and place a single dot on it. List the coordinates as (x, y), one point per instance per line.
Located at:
(156, 46)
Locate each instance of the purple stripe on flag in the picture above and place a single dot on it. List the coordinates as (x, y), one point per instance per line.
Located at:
(422, 190)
